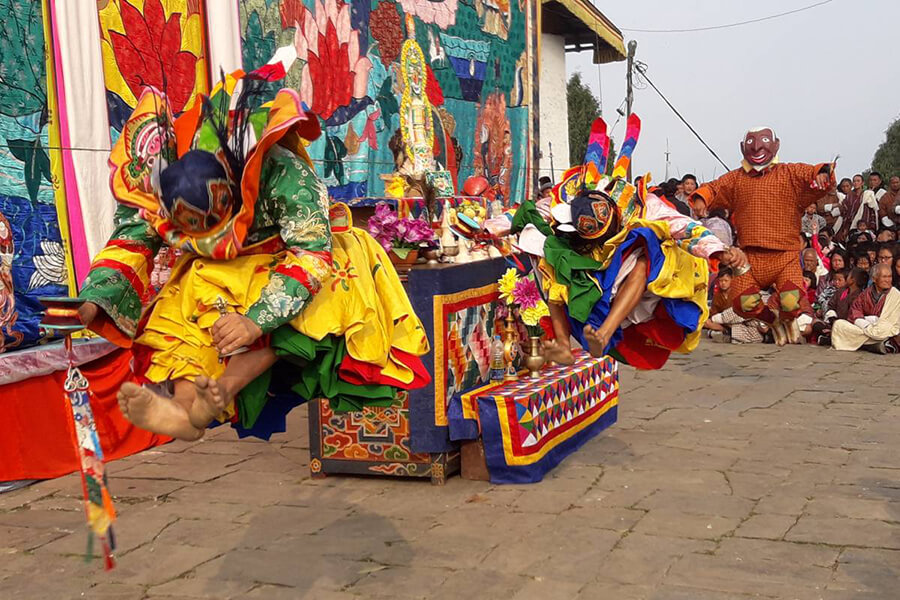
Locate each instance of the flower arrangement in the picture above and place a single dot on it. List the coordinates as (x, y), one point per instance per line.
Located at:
(401, 236)
(521, 295)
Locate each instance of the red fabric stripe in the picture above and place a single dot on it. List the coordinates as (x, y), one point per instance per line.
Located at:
(35, 440)
(126, 272)
(298, 274)
(357, 372)
(132, 246)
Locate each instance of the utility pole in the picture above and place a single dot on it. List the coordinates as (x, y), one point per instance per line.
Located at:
(667, 159)
(629, 94)
(552, 173)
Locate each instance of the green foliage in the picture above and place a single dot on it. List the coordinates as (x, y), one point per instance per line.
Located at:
(583, 109)
(37, 163)
(611, 161)
(887, 157)
(23, 85)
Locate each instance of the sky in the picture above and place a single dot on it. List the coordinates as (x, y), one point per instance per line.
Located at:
(827, 79)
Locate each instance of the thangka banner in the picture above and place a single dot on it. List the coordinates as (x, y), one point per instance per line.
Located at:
(444, 79)
(32, 255)
(156, 43)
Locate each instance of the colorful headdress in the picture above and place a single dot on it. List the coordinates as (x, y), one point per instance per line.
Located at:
(196, 178)
(587, 201)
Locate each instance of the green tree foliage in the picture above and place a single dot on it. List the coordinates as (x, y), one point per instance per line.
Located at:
(887, 157)
(583, 109)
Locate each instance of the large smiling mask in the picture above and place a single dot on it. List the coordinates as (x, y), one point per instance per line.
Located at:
(760, 148)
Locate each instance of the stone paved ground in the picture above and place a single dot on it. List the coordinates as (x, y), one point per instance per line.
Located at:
(736, 473)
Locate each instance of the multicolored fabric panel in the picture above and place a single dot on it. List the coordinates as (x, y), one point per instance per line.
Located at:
(156, 43)
(32, 255)
(450, 79)
(678, 278)
(530, 425)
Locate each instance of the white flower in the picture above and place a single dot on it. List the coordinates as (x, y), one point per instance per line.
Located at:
(49, 267)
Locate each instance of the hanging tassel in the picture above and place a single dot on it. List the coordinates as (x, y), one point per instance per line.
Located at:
(62, 316)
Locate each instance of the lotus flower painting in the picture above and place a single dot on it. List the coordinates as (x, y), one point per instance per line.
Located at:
(335, 72)
(156, 43)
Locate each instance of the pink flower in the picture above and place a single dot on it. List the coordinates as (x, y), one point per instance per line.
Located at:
(335, 71)
(526, 293)
(392, 232)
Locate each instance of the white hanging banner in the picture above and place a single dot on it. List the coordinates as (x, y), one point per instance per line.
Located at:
(223, 30)
(84, 128)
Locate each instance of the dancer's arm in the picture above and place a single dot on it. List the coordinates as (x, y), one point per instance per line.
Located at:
(718, 193)
(298, 201)
(118, 284)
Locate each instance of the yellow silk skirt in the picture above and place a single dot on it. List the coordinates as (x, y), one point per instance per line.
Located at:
(362, 300)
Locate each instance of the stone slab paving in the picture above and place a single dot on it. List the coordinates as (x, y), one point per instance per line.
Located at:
(739, 472)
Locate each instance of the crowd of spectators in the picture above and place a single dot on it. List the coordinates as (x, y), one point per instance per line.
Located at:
(851, 262)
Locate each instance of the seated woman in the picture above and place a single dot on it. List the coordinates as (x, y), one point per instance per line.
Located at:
(268, 270)
(625, 272)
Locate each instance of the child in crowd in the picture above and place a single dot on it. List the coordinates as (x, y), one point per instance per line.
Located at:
(720, 297)
(724, 325)
(862, 261)
(810, 281)
(836, 282)
(837, 261)
(839, 308)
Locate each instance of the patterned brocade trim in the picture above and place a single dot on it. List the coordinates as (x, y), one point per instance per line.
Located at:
(109, 289)
(281, 300)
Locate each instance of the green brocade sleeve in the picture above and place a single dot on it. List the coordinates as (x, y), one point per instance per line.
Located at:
(528, 213)
(119, 279)
(298, 201)
(573, 271)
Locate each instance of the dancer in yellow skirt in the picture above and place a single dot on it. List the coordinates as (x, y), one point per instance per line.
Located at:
(267, 270)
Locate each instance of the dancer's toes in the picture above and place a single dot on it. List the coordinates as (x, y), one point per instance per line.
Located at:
(556, 351)
(596, 341)
(779, 333)
(155, 414)
(209, 402)
(134, 400)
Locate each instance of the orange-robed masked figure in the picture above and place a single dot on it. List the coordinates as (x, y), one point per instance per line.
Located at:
(766, 200)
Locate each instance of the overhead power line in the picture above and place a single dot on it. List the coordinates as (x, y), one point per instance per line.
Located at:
(642, 69)
(729, 25)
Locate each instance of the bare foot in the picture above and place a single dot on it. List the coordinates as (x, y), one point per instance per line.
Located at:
(792, 329)
(558, 352)
(779, 333)
(208, 404)
(596, 340)
(156, 414)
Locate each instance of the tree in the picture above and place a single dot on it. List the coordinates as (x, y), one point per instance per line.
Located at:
(583, 109)
(887, 157)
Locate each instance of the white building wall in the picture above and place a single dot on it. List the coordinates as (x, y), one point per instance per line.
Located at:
(554, 112)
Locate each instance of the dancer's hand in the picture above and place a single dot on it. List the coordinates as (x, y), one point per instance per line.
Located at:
(734, 258)
(234, 331)
(87, 312)
(823, 181)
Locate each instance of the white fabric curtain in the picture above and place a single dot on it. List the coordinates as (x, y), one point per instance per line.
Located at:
(223, 26)
(84, 124)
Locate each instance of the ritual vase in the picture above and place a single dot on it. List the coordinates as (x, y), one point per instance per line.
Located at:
(534, 360)
(510, 347)
(432, 255)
